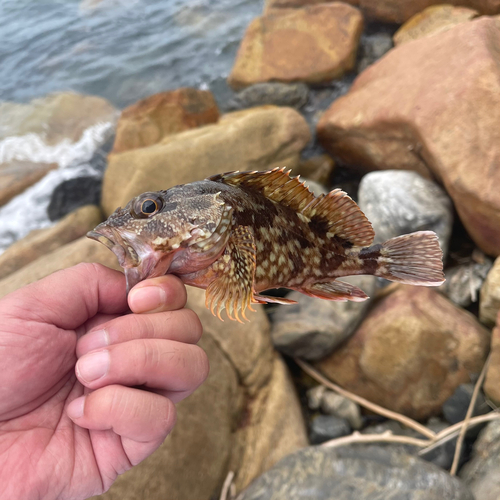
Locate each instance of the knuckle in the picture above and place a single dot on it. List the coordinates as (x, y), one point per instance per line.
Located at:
(194, 323)
(201, 364)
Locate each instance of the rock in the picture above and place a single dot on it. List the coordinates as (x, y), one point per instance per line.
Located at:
(151, 119)
(16, 176)
(398, 202)
(372, 47)
(44, 241)
(464, 282)
(73, 194)
(433, 20)
(326, 427)
(455, 407)
(314, 397)
(335, 404)
(246, 415)
(410, 353)
(313, 45)
(361, 473)
(318, 169)
(492, 381)
(294, 95)
(489, 304)
(387, 122)
(482, 474)
(312, 328)
(254, 139)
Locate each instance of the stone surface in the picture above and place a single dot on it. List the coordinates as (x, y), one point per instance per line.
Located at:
(482, 474)
(492, 381)
(294, 95)
(489, 303)
(433, 20)
(372, 47)
(313, 45)
(398, 202)
(151, 119)
(254, 139)
(335, 404)
(244, 418)
(464, 282)
(318, 169)
(72, 194)
(455, 407)
(44, 241)
(312, 328)
(410, 353)
(326, 427)
(386, 121)
(361, 473)
(16, 176)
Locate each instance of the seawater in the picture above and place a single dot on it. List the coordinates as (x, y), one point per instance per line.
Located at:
(122, 50)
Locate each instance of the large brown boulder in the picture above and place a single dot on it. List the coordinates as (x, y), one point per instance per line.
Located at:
(253, 139)
(410, 353)
(431, 105)
(44, 241)
(315, 44)
(244, 418)
(492, 380)
(151, 119)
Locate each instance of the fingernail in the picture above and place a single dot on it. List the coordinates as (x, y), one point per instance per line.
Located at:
(146, 298)
(75, 408)
(93, 366)
(94, 340)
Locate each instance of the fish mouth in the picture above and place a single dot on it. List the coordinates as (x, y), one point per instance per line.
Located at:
(138, 260)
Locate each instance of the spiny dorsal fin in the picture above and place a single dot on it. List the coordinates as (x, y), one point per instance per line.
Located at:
(341, 215)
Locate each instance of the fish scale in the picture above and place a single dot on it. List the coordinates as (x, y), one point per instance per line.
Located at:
(240, 233)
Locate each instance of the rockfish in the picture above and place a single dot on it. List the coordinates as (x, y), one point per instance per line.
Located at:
(240, 233)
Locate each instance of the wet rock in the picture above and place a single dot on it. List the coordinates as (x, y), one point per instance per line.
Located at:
(314, 397)
(361, 473)
(16, 176)
(464, 282)
(260, 138)
(313, 45)
(410, 353)
(492, 381)
(294, 95)
(456, 406)
(387, 122)
(372, 47)
(44, 241)
(482, 474)
(398, 202)
(326, 427)
(312, 328)
(489, 304)
(151, 119)
(73, 194)
(318, 169)
(433, 20)
(335, 404)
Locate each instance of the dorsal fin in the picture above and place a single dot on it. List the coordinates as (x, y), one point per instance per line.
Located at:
(340, 214)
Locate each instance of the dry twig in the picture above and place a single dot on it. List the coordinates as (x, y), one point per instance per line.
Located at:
(226, 487)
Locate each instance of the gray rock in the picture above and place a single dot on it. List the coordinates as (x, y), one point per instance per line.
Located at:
(294, 95)
(482, 473)
(314, 397)
(335, 404)
(312, 328)
(463, 283)
(455, 407)
(355, 473)
(489, 303)
(372, 47)
(398, 202)
(326, 427)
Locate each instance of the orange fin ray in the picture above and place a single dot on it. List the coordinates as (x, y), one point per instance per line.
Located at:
(335, 290)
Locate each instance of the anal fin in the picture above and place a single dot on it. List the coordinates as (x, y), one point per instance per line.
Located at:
(335, 290)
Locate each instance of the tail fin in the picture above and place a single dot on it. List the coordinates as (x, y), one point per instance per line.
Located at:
(412, 259)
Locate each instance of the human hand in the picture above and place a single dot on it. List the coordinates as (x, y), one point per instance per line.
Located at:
(69, 436)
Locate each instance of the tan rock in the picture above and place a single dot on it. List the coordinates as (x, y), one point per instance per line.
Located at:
(253, 139)
(44, 241)
(489, 302)
(313, 45)
(411, 353)
(244, 418)
(318, 169)
(16, 176)
(492, 380)
(431, 21)
(388, 121)
(151, 119)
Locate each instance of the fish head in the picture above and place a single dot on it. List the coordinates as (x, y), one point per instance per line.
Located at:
(180, 230)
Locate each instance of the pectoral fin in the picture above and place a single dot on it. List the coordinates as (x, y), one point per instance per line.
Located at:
(232, 289)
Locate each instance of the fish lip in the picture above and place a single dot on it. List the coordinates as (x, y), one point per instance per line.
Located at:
(101, 238)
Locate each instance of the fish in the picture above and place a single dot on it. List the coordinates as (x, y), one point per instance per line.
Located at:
(238, 234)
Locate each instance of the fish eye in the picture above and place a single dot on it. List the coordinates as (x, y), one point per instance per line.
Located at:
(147, 206)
